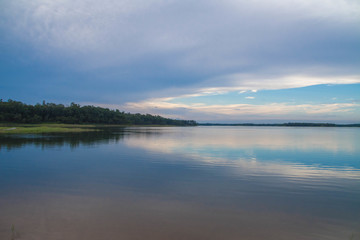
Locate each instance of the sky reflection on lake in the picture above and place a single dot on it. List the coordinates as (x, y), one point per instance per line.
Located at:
(182, 183)
(297, 152)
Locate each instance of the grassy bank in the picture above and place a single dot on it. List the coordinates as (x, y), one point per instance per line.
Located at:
(44, 128)
(15, 128)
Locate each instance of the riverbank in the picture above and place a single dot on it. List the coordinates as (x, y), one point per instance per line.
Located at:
(15, 128)
(9, 128)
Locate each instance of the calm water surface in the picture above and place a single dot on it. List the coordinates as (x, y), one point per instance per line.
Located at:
(182, 183)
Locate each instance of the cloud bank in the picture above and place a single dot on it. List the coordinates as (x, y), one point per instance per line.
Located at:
(126, 52)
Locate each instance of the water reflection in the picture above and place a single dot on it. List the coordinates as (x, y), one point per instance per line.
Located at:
(182, 183)
(292, 152)
(271, 138)
(169, 139)
(72, 140)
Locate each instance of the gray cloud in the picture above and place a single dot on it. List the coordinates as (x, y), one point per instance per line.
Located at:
(156, 44)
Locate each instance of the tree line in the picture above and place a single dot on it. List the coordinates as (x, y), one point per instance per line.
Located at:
(18, 112)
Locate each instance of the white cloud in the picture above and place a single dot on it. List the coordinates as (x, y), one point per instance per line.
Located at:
(280, 112)
(208, 35)
(111, 30)
(343, 10)
(246, 109)
(243, 83)
(176, 49)
(247, 82)
(171, 106)
(235, 112)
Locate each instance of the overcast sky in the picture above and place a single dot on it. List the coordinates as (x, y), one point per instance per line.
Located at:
(211, 61)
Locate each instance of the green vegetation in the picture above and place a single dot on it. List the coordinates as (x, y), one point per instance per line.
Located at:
(45, 128)
(14, 233)
(18, 112)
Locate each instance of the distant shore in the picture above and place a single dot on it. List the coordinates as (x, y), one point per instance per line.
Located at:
(291, 124)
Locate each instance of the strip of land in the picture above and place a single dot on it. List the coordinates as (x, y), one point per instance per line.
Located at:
(9, 128)
(291, 124)
(42, 128)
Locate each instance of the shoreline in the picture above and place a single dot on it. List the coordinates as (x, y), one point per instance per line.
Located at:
(40, 128)
(279, 125)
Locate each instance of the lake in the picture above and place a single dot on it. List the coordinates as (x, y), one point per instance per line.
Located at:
(154, 183)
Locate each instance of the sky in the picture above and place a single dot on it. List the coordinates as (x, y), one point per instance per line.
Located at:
(229, 61)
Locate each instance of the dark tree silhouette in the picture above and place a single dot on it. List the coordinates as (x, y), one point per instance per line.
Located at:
(18, 112)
